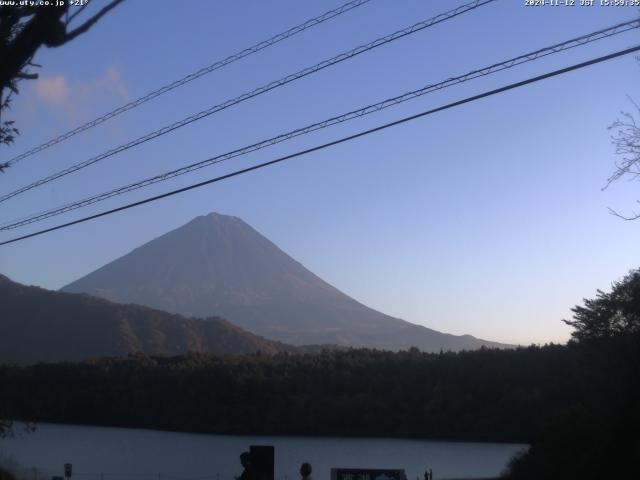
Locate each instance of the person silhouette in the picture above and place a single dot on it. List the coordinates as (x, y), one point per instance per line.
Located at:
(247, 472)
(305, 471)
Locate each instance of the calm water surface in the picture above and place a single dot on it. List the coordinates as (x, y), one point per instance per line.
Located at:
(101, 453)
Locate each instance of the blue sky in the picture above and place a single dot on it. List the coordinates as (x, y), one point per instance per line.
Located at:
(487, 219)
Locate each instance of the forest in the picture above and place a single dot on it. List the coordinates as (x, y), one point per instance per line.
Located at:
(483, 395)
(575, 404)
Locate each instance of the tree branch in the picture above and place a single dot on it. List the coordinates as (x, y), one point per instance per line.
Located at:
(90, 22)
(27, 76)
(635, 215)
(75, 14)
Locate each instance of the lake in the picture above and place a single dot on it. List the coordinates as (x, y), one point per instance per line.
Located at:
(103, 453)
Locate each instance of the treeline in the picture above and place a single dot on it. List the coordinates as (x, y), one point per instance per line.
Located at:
(484, 395)
(597, 432)
(577, 405)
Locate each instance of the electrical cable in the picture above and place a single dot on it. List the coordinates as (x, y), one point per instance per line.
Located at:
(335, 142)
(510, 63)
(254, 93)
(192, 76)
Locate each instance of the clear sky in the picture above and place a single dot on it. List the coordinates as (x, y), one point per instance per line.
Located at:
(487, 219)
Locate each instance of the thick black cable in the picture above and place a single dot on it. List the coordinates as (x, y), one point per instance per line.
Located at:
(335, 142)
(496, 67)
(254, 93)
(192, 76)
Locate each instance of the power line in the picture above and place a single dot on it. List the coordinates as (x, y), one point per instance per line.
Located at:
(335, 142)
(254, 93)
(193, 76)
(528, 57)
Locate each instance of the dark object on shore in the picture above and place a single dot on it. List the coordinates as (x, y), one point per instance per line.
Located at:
(368, 473)
(305, 471)
(6, 475)
(247, 472)
(262, 462)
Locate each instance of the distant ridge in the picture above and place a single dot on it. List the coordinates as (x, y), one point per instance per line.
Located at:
(218, 265)
(40, 325)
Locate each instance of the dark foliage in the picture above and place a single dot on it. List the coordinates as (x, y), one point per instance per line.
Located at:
(492, 395)
(609, 314)
(24, 29)
(8, 131)
(597, 434)
(41, 325)
(577, 404)
(6, 474)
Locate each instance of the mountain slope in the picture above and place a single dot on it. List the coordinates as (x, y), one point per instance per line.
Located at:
(41, 325)
(219, 265)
